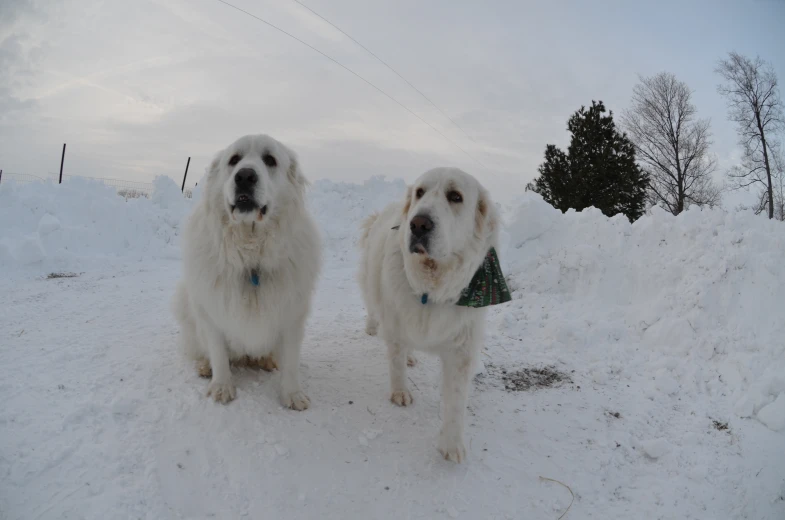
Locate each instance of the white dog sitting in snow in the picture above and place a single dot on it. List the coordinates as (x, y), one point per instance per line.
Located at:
(429, 269)
(251, 259)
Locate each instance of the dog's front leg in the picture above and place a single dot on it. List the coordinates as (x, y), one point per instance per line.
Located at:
(221, 386)
(288, 357)
(398, 354)
(456, 377)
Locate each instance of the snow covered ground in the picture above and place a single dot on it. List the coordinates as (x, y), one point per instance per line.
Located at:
(667, 336)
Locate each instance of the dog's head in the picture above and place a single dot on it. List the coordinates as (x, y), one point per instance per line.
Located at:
(449, 223)
(254, 178)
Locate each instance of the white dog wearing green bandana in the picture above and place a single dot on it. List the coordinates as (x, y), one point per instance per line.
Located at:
(251, 256)
(429, 270)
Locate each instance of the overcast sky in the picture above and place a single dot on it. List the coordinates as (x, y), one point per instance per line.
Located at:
(135, 88)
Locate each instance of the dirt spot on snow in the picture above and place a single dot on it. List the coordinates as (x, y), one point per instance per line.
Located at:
(720, 426)
(53, 276)
(526, 378)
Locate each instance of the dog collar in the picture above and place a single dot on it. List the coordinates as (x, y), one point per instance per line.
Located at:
(254, 277)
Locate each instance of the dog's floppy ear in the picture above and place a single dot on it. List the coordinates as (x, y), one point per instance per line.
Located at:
(294, 174)
(485, 219)
(408, 200)
(212, 170)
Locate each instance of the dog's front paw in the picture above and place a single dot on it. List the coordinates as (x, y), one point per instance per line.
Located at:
(411, 360)
(296, 401)
(401, 397)
(452, 448)
(221, 392)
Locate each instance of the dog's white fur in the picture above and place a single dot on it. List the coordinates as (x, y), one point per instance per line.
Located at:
(393, 280)
(223, 316)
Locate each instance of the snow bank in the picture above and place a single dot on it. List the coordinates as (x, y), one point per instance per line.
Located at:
(53, 226)
(340, 208)
(81, 221)
(692, 303)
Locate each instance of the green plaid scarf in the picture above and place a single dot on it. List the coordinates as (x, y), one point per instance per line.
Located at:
(487, 286)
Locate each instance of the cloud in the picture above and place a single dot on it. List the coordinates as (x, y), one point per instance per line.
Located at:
(135, 88)
(20, 55)
(12, 11)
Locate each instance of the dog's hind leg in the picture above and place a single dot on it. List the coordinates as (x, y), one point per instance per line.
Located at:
(203, 368)
(266, 363)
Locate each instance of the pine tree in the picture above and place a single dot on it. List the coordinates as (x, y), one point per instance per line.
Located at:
(598, 169)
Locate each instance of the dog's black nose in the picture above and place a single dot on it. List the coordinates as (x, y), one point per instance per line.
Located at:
(421, 225)
(246, 178)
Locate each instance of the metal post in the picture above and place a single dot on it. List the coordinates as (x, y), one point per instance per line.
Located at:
(182, 188)
(1, 175)
(62, 160)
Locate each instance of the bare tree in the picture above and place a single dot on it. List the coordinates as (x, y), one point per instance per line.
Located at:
(672, 145)
(778, 183)
(754, 104)
(779, 195)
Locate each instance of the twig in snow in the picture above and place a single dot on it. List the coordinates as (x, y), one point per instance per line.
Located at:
(20, 334)
(369, 410)
(568, 489)
(328, 431)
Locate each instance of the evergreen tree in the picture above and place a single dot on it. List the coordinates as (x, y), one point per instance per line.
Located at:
(598, 169)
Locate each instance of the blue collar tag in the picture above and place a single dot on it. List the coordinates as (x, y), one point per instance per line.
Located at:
(254, 277)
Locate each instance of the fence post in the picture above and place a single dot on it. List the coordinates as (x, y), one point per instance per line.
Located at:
(1, 175)
(62, 160)
(182, 188)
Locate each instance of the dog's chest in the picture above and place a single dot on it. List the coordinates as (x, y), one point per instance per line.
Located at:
(435, 327)
(254, 313)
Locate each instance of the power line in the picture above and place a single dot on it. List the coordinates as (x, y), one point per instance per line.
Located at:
(290, 35)
(366, 49)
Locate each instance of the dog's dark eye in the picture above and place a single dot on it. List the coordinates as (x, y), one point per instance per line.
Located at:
(454, 196)
(269, 160)
(234, 160)
(420, 192)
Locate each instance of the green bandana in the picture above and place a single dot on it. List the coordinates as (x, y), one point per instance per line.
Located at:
(487, 286)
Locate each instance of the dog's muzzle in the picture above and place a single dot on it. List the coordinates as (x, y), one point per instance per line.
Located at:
(420, 227)
(245, 181)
